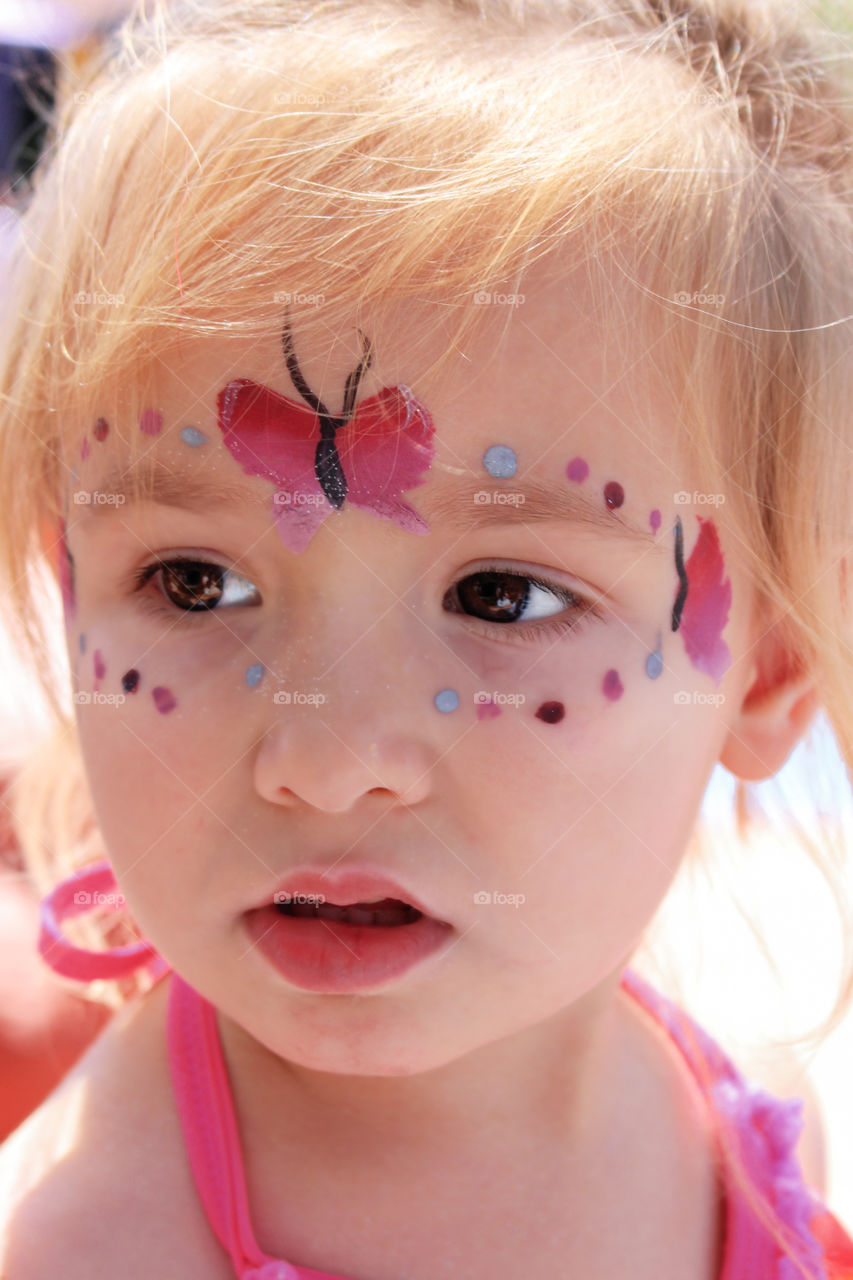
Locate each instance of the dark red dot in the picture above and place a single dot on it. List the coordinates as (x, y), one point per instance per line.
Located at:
(101, 429)
(130, 681)
(551, 712)
(614, 494)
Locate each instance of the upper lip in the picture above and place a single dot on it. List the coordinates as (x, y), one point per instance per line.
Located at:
(345, 885)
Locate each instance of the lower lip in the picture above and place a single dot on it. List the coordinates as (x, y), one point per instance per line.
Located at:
(332, 957)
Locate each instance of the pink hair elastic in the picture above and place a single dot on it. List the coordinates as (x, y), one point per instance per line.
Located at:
(75, 896)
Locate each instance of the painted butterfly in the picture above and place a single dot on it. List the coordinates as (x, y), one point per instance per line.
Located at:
(318, 460)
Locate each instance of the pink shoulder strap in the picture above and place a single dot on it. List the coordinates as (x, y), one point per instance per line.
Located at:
(206, 1109)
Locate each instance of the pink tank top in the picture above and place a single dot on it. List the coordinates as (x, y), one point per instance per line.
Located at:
(766, 1127)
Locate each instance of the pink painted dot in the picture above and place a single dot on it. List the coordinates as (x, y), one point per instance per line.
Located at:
(577, 470)
(612, 685)
(164, 700)
(100, 665)
(654, 520)
(487, 710)
(84, 450)
(614, 494)
(151, 422)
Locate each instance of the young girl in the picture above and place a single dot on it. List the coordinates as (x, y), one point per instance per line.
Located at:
(436, 416)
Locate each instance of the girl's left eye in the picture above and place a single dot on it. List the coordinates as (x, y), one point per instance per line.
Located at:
(197, 586)
(503, 596)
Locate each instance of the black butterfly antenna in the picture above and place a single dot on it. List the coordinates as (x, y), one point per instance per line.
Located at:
(327, 462)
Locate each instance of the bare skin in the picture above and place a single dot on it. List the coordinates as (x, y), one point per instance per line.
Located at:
(509, 1205)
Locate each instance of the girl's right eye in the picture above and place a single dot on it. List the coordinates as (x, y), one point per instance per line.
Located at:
(196, 586)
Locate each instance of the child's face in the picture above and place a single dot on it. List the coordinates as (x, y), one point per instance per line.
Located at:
(297, 721)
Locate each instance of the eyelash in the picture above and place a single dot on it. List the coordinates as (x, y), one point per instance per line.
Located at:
(581, 608)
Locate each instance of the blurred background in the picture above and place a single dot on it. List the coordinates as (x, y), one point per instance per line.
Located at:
(706, 945)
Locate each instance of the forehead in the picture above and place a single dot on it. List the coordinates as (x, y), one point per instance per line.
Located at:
(544, 373)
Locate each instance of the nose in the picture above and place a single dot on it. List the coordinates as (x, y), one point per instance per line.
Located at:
(317, 756)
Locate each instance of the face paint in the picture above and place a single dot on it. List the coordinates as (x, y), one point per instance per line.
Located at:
(151, 422)
(614, 494)
(254, 674)
(66, 574)
(99, 665)
(654, 662)
(500, 461)
(678, 604)
(366, 456)
(611, 685)
(164, 699)
(577, 470)
(84, 449)
(551, 712)
(446, 700)
(703, 611)
(102, 428)
(654, 520)
(193, 437)
(82, 642)
(130, 680)
(487, 710)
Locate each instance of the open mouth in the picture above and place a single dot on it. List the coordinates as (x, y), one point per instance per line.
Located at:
(387, 912)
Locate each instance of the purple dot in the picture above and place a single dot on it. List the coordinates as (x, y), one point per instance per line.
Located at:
(101, 429)
(487, 710)
(551, 712)
(130, 681)
(151, 422)
(612, 685)
(614, 494)
(164, 700)
(100, 665)
(577, 470)
(654, 520)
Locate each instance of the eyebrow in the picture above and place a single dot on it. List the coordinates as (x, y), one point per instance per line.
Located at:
(188, 491)
(453, 507)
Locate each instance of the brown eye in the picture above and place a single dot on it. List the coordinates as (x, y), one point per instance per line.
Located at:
(196, 586)
(494, 597)
(501, 596)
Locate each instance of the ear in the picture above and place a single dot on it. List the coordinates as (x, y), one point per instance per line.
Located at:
(776, 709)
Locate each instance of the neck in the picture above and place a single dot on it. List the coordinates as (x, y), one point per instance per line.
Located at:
(556, 1080)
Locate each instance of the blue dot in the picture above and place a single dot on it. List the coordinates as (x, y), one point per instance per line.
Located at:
(82, 642)
(254, 673)
(654, 664)
(192, 436)
(446, 700)
(500, 461)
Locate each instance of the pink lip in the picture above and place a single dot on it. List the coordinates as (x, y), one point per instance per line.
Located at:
(346, 886)
(336, 957)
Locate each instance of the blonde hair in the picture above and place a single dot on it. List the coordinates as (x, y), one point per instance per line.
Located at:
(218, 155)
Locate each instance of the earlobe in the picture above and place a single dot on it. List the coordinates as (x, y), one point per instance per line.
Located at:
(771, 722)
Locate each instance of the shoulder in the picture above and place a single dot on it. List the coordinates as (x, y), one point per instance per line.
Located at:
(100, 1163)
